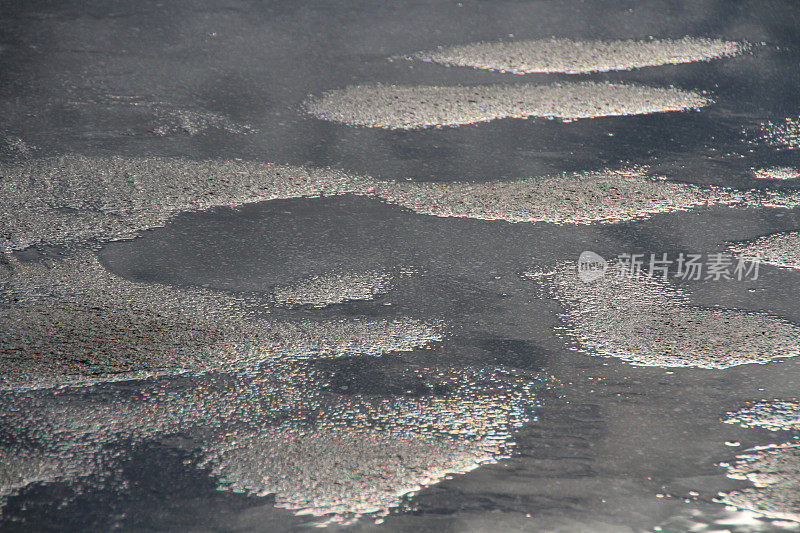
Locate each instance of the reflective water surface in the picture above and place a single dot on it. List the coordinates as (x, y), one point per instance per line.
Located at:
(269, 266)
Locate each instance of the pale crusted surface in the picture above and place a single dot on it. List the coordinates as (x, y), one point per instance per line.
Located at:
(592, 197)
(776, 173)
(68, 198)
(333, 288)
(648, 322)
(780, 249)
(367, 455)
(782, 134)
(775, 473)
(424, 106)
(22, 465)
(777, 199)
(774, 415)
(190, 122)
(576, 57)
(278, 433)
(166, 118)
(75, 323)
(78, 198)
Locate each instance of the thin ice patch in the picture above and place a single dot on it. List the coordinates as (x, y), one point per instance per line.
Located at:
(74, 323)
(76, 198)
(773, 415)
(648, 322)
(73, 198)
(780, 249)
(579, 57)
(169, 118)
(422, 106)
(607, 196)
(784, 134)
(333, 288)
(776, 173)
(320, 453)
(774, 472)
